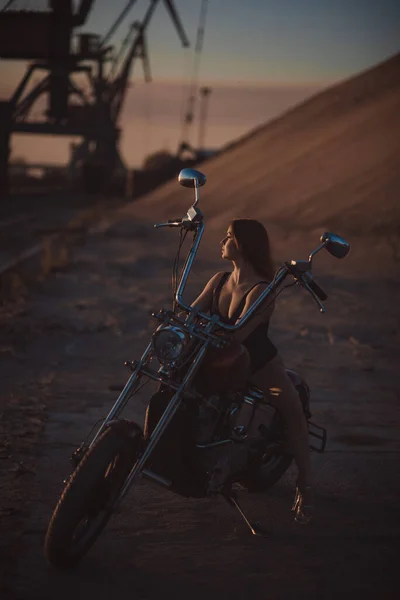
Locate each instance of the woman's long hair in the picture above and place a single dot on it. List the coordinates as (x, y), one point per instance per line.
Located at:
(252, 240)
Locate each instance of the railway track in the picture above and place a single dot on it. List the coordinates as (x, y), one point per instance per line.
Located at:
(25, 236)
(18, 240)
(9, 222)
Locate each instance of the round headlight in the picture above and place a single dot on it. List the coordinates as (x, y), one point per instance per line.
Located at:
(168, 344)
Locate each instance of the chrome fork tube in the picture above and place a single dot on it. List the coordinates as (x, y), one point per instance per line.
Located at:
(187, 266)
(124, 395)
(161, 425)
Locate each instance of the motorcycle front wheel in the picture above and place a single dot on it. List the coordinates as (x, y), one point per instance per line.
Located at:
(87, 501)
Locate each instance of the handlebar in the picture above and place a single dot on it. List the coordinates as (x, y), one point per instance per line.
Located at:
(191, 221)
(300, 270)
(170, 223)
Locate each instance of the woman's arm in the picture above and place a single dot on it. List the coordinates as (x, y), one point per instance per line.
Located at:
(262, 314)
(204, 300)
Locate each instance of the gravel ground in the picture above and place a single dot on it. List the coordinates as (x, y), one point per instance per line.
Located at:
(62, 348)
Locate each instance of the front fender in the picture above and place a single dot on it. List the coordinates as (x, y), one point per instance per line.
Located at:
(125, 427)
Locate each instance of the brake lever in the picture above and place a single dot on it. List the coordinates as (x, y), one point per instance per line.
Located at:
(314, 295)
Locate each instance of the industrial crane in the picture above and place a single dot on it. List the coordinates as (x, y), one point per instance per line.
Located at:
(45, 37)
(112, 93)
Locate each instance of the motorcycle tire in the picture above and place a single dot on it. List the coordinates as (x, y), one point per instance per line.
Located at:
(87, 501)
(267, 474)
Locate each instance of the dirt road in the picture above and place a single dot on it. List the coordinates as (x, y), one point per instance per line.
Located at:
(62, 352)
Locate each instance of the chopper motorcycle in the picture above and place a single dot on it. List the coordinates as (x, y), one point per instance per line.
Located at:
(207, 430)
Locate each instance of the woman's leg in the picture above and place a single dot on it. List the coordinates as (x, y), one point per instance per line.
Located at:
(273, 381)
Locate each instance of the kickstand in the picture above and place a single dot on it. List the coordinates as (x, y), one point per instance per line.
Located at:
(255, 528)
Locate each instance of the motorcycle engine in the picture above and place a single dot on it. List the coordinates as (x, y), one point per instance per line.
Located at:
(245, 425)
(214, 424)
(212, 417)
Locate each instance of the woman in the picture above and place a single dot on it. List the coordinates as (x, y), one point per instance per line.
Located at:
(230, 295)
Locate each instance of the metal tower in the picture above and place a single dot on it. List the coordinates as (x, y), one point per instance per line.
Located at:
(90, 110)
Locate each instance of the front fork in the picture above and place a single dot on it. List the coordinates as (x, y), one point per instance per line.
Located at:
(114, 413)
(161, 425)
(124, 395)
(158, 430)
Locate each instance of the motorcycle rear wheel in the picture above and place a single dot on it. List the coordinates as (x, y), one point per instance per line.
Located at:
(87, 501)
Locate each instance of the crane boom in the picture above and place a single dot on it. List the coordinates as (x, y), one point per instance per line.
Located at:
(139, 50)
(177, 22)
(118, 22)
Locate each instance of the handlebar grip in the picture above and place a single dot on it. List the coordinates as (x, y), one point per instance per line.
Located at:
(317, 290)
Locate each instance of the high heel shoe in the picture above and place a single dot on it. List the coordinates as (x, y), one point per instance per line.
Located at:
(303, 505)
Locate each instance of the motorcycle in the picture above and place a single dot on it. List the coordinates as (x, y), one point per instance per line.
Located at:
(207, 430)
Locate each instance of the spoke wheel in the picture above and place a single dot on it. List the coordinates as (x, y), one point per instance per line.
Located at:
(87, 501)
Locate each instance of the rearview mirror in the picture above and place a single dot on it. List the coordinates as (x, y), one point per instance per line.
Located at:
(336, 245)
(191, 178)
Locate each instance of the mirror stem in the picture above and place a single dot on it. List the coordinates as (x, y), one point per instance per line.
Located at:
(196, 193)
(314, 252)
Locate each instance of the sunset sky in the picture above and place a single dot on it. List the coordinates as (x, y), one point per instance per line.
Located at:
(260, 57)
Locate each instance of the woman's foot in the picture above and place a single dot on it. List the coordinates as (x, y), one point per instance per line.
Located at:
(303, 505)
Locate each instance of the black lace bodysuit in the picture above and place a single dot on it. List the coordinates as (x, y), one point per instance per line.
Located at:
(258, 344)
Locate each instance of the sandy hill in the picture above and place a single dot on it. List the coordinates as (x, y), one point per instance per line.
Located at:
(331, 162)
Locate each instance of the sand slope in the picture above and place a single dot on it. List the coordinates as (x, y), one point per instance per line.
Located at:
(331, 162)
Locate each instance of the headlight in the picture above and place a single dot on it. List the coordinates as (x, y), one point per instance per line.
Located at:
(168, 344)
